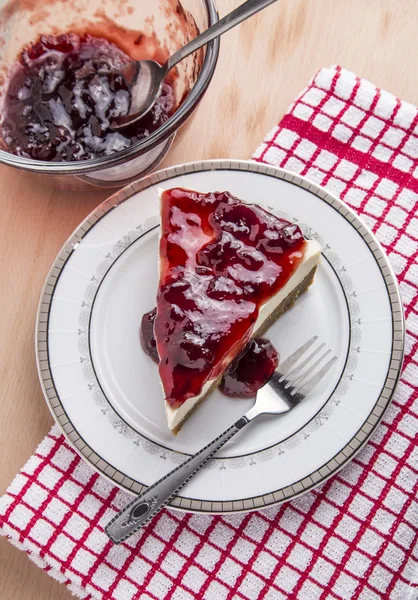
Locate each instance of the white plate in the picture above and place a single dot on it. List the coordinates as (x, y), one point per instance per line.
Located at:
(105, 393)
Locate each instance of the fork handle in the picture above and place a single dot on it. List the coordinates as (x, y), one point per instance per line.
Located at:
(145, 506)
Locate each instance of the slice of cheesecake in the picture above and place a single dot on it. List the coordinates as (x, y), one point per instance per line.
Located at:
(227, 270)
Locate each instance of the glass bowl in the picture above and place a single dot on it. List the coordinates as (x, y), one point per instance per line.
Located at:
(162, 27)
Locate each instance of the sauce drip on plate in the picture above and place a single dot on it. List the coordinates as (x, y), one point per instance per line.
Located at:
(251, 370)
(148, 342)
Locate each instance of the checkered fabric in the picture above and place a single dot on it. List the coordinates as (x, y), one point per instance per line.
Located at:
(353, 538)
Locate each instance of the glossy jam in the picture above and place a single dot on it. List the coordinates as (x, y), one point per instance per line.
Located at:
(220, 260)
(244, 377)
(59, 108)
(148, 342)
(250, 370)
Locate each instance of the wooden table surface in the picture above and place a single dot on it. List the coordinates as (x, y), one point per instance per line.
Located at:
(263, 64)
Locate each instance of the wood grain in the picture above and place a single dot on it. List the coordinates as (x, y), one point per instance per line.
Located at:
(263, 64)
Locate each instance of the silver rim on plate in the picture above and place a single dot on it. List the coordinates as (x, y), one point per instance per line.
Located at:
(307, 483)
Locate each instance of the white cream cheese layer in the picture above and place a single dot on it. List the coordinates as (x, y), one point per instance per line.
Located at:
(311, 258)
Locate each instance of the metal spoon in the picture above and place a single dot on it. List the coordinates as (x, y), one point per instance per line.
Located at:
(146, 76)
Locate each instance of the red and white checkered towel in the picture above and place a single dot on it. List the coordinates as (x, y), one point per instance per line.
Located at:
(353, 538)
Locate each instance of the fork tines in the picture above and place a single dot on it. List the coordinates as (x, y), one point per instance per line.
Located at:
(296, 370)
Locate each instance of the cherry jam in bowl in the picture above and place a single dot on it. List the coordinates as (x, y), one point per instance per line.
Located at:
(60, 91)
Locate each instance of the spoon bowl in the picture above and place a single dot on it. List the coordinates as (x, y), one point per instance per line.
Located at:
(144, 77)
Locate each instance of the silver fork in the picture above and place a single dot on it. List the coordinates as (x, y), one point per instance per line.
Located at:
(289, 385)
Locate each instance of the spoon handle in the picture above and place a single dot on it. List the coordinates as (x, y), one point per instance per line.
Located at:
(241, 13)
